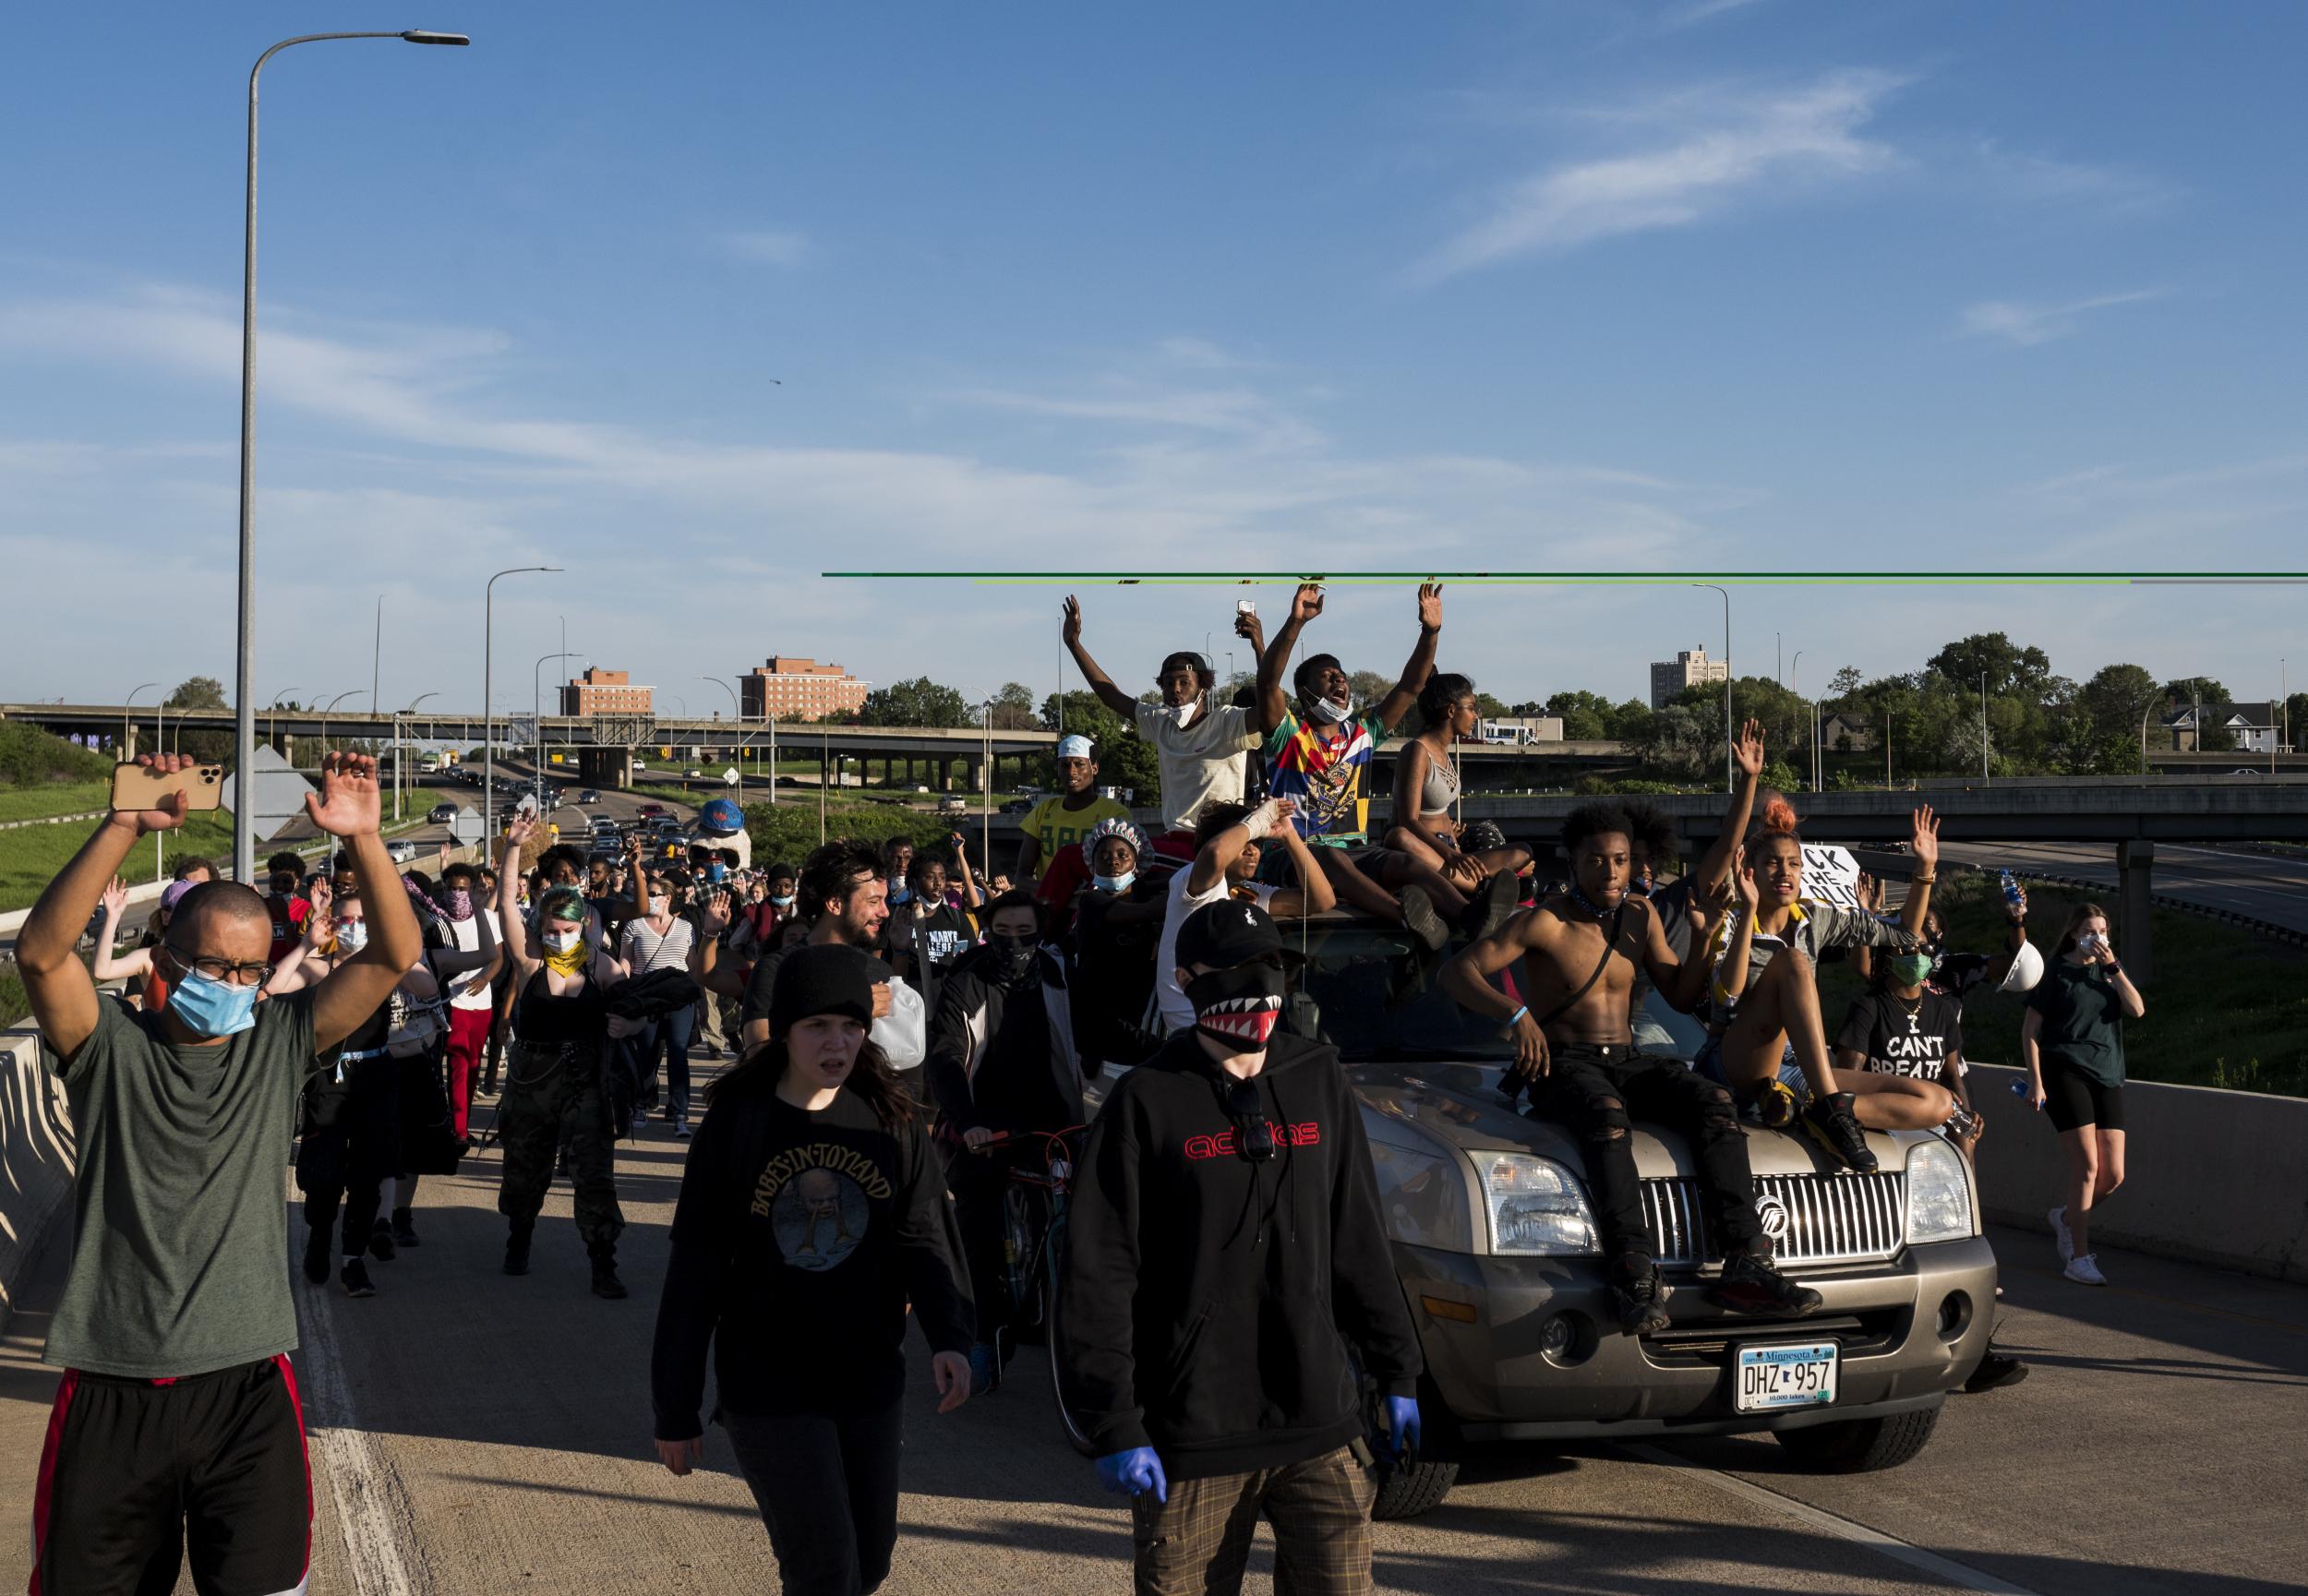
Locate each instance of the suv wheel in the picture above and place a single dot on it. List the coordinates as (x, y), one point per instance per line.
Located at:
(1406, 1493)
(1860, 1446)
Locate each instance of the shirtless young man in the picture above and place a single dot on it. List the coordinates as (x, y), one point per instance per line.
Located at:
(1579, 951)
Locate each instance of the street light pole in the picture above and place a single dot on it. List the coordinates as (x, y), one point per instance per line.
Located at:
(1729, 784)
(738, 710)
(537, 721)
(401, 752)
(1795, 674)
(1984, 774)
(243, 681)
(124, 719)
(488, 710)
(348, 692)
(377, 658)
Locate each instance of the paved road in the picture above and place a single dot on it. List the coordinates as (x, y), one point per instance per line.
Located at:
(475, 1433)
(2264, 886)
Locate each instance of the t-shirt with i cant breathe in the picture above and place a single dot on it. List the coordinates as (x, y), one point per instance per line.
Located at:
(178, 1225)
(1912, 1037)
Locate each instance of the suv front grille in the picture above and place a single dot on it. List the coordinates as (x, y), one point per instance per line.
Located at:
(1811, 1219)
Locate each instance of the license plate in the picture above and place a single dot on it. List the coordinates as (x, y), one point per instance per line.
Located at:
(1775, 1377)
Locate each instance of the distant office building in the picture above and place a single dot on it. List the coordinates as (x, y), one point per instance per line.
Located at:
(603, 692)
(794, 688)
(1689, 668)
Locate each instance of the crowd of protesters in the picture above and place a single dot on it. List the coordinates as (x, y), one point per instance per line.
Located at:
(906, 1035)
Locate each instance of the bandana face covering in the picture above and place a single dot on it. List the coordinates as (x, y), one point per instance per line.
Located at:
(1239, 1006)
(1013, 958)
(565, 951)
(459, 905)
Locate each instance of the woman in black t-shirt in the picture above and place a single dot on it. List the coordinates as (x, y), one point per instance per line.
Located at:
(811, 1214)
(2072, 1041)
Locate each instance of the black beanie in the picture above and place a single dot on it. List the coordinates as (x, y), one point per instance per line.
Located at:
(822, 978)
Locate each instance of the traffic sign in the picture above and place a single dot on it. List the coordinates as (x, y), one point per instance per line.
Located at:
(466, 828)
(730, 776)
(279, 793)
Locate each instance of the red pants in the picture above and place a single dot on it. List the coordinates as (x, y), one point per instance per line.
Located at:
(468, 1036)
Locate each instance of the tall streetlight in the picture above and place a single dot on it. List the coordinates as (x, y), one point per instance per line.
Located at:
(536, 720)
(1729, 784)
(738, 710)
(243, 681)
(332, 703)
(1794, 678)
(1984, 774)
(377, 658)
(401, 752)
(489, 710)
(124, 719)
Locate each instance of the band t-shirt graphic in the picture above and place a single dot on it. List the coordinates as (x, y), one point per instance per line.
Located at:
(1899, 1036)
(817, 1198)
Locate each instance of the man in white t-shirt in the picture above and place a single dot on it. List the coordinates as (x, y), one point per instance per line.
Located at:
(1199, 743)
(1226, 864)
(471, 996)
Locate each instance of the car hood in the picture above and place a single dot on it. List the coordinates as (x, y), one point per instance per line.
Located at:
(1460, 1106)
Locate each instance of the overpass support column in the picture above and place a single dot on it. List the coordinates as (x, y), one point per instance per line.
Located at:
(2134, 860)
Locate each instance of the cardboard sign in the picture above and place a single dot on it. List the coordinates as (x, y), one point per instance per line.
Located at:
(1830, 875)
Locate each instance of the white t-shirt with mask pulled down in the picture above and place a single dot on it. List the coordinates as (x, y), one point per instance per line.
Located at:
(1200, 763)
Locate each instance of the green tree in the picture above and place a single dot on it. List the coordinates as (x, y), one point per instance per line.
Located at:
(1845, 682)
(921, 703)
(201, 692)
(1014, 707)
(1587, 716)
(1488, 707)
(2114, 699)
(1368, 686)
(2009, 668)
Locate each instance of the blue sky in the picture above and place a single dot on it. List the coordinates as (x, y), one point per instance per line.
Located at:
(1738, 284)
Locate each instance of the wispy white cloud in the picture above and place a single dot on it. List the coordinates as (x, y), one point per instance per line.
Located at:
(2026, 324)
(2043, 179)
(770, 245)
(1723, 150)
(1690, 13)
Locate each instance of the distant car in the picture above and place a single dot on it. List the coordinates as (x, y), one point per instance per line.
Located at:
(651, 810)
(441, 814)
(590, 796)
(951, 805)
(2242, 771)
(1018, 806)
(400, 853)
(693, 774)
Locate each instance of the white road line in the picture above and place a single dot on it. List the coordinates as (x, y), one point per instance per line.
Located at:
(372, 1507)
(1960, 1575)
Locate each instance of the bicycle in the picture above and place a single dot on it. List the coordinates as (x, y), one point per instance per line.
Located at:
(1033, 1236)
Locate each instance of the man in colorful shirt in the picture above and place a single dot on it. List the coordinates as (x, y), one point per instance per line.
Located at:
(1317, 748)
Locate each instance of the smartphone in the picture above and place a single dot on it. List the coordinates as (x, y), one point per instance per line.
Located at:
(1246, 606)
(137, 787)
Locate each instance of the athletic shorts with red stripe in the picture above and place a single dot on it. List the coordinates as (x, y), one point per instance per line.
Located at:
(137, 1475)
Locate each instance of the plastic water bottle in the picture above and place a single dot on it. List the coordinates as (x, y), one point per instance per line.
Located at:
(2012, 893)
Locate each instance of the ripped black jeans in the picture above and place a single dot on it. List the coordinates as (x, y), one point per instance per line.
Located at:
(1596, 1091)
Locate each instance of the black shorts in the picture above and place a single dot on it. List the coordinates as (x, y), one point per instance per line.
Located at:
(136, 1475)
(2073, 1100)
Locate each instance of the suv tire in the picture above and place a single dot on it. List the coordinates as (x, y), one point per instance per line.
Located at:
(1860, 1446)
(1406, 1493)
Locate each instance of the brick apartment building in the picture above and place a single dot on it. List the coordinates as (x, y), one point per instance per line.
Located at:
(793, 688)
(603, 692)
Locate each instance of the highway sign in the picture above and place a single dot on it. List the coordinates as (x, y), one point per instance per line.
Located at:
(279, 793)
(466, 828)
(730, 776)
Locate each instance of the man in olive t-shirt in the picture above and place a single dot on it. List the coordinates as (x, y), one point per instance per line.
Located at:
(176, 1421)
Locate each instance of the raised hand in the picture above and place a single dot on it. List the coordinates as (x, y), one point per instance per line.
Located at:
(1743, 882)
(518, 831)
(114, 897)
(716, 919)
(1748, 751)
(1926, 841)
(347, 804)
(1430, 607)
(1071, 631)
(1306, 603)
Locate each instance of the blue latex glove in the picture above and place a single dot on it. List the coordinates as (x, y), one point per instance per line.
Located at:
(1402, 1425)
(1137, 1470)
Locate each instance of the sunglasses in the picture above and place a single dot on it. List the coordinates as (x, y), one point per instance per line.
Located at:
(1254, 1134)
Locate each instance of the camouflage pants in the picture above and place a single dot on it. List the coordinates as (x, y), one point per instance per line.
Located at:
(552, 1095)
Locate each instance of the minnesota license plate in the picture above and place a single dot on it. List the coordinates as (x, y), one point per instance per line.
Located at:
(1775, 1377)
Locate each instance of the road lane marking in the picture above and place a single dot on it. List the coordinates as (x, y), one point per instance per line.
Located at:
(1960, 1575)
(372, 1506)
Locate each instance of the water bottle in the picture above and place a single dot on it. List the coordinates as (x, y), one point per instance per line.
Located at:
(2012, 893)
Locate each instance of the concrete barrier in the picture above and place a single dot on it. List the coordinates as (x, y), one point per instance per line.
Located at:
(2211, 1176)
(37, 1157)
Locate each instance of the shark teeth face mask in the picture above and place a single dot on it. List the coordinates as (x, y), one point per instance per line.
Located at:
(1239, 1007)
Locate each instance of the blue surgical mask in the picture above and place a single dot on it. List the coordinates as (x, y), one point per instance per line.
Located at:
(1120, 883)
(784, 902)
(213, 1008)
(901, 894)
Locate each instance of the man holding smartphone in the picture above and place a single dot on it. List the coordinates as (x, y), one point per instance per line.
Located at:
(1198, 743)
(176, 1419)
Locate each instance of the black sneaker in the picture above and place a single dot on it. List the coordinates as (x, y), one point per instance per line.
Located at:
(380, 1245)
(1492, 906)
(604, 1281)
(517, 1248)
(355, 1279)
(404, 1229)
(1828, 1122)
(317, 1255)
(1751, 1284)
(1996, 1370)
(1419, 916)
(1643, 1301)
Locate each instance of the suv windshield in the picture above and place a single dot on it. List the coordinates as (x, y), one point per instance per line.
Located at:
(1369, 989)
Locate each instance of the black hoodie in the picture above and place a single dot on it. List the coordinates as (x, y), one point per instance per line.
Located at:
(1210, 1304)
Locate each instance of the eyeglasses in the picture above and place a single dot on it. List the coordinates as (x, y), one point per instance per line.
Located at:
(254, 973)
(1254, 1134)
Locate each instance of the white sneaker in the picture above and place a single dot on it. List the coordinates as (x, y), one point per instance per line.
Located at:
(2059, 1237)
(2085, 1271)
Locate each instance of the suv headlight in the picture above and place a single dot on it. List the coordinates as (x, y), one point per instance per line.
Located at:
(1536, 1205)
(1939, 1194)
